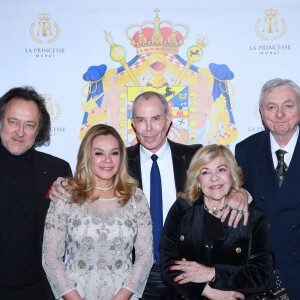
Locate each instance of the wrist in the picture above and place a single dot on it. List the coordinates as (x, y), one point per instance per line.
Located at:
(212, 275)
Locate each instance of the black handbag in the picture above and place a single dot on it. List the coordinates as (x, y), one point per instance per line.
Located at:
(277, 292)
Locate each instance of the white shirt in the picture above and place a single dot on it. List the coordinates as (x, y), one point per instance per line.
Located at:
(165, 164)
(289, 148)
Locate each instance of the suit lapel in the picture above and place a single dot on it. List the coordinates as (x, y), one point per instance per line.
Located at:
(134, 163)
(292, 177)
(179, 166)
(41, 184)
(265, 165)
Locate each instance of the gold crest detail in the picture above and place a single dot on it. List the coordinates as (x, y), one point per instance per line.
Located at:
(271, 28)
(54, 111)
(45, 33)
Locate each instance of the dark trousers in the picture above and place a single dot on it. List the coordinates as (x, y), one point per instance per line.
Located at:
(35, 291)
(155, 289)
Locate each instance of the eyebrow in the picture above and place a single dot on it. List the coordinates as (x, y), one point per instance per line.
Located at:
(285, 101)
(16, 119)
(117, 148)
(217, 167)
(156, 116)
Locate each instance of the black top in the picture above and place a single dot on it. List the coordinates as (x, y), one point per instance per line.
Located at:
(19, 235)
(191, 233)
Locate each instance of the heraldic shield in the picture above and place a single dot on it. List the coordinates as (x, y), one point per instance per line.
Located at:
(200, 98)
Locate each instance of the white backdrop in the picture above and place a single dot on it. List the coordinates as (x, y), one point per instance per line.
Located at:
(256, 40)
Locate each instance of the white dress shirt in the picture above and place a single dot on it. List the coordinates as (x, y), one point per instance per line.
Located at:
(289, 148)
(165, 164)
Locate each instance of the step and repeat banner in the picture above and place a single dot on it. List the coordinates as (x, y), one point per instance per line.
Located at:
(90, 59)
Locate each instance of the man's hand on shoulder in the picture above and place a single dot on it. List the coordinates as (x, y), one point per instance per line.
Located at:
(58, 191)
(237, 206)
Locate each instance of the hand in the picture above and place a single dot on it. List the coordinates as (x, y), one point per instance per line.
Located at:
(237, 204)
(193, 272)
(215, 294)
(58, 190)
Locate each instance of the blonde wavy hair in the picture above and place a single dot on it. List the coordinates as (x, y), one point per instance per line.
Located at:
(82, 184)
(201, 158)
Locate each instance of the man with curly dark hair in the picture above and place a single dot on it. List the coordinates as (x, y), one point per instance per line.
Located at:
(25, 176)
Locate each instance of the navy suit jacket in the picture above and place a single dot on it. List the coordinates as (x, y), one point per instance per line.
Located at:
(282, 205)
(181, 156)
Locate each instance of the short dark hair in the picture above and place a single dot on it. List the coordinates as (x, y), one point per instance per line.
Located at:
(29, 94)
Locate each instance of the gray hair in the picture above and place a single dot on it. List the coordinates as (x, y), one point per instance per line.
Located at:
(148, 95)
(270, 85)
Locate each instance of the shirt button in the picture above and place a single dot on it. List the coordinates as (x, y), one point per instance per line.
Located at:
(294, 228)
(182, 238)
(294, 254)
(263, 199)
(238, 250)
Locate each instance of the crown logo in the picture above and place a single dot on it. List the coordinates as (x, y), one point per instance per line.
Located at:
(44, 17)
(182, 96)
(157, 36)
(47, 97)
(202, 41)
(271, 13)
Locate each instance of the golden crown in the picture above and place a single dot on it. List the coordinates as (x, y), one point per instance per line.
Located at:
(44, 17)
(182, 96)
(271, 12)
(202, 41)
(47, 97)
(157, 37)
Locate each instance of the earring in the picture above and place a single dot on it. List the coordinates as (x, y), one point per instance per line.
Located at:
(199, 190)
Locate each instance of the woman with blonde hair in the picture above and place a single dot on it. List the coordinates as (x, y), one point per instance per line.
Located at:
(201, 257)
(98, 226)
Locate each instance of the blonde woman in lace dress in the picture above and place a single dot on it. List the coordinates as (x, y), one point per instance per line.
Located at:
(98, 226)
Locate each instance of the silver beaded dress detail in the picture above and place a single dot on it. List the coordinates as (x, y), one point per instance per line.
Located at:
(98, 238)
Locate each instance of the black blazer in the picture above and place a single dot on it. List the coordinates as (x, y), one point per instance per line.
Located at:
(46, 170)
(181, 156)
(182, 238)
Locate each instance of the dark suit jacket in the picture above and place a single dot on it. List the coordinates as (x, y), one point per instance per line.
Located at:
(181, 156)
(282, 205)
(183, 238)
(46, 170)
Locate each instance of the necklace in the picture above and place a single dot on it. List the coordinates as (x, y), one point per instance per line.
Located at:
(214, 211)
(103, 189)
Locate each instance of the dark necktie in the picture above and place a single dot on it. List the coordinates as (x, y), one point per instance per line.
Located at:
(156, 207)
(281, 168)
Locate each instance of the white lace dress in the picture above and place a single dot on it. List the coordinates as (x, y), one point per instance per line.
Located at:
(99, 238)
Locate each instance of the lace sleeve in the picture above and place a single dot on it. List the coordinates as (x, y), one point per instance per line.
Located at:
(137, 279)
(54, 248)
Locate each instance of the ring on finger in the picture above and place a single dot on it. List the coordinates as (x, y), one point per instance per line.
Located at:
(63, 180)
(228, 207)
(246, 213)
(240, 212)
(183, 275)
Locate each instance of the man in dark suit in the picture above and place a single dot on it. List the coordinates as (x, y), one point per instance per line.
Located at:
(271, 163)
(25, 176)
(151, 119)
